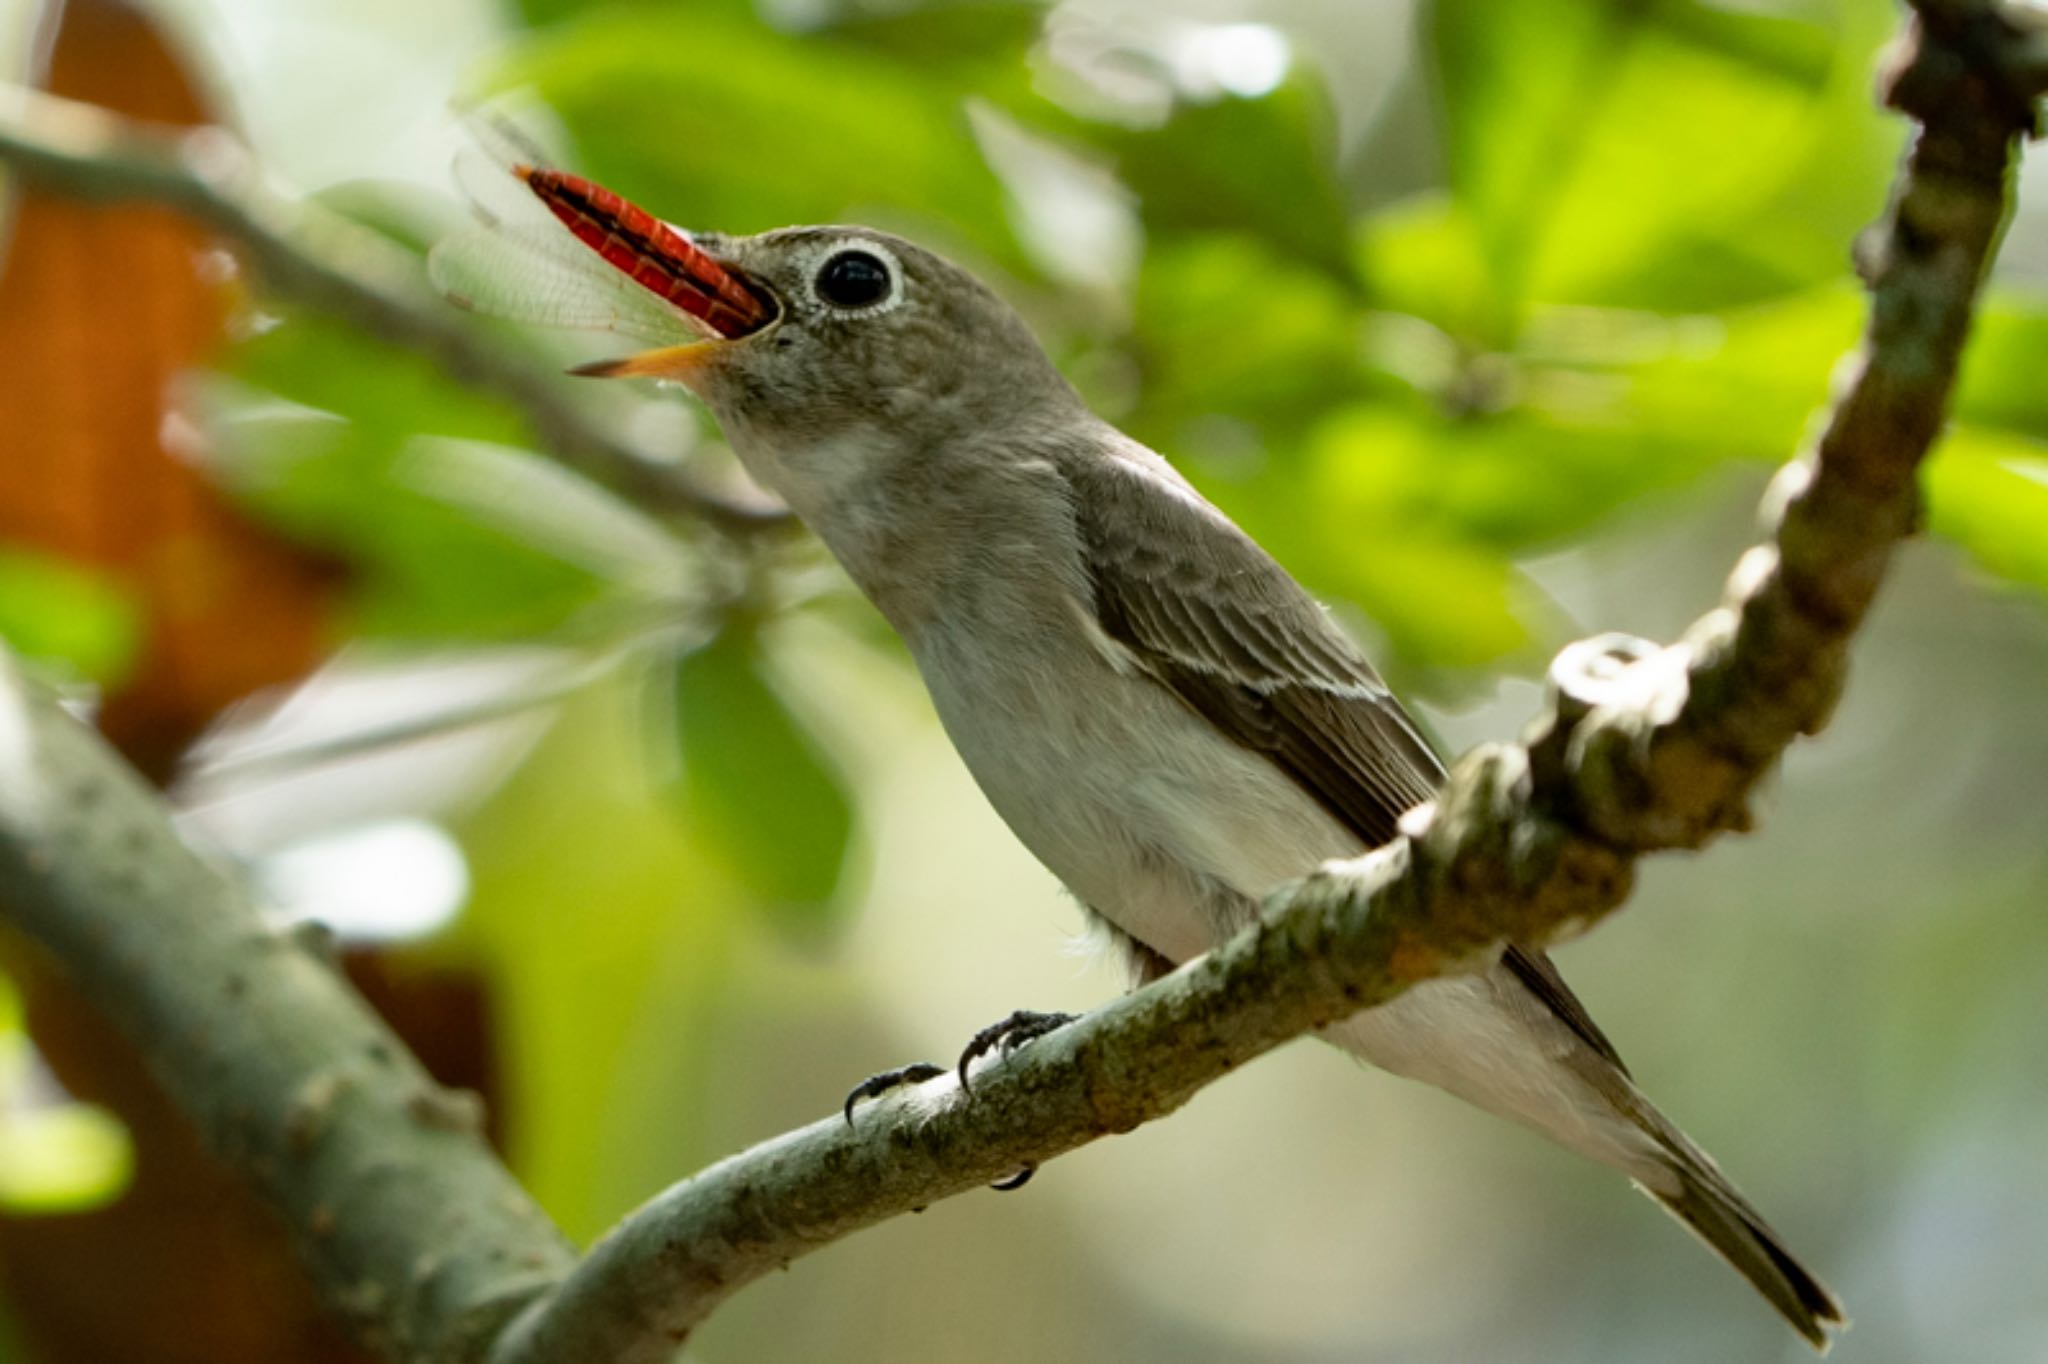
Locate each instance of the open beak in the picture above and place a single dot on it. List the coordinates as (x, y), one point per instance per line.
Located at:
(679, 363)
(722, 300)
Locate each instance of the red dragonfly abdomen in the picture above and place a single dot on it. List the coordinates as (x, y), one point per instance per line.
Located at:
(648, 251)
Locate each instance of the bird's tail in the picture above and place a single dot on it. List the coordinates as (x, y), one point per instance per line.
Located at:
(1701, 1197)
(1449, 1033)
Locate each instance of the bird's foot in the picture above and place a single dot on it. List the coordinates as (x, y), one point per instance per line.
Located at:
(1001, 1037)
(1005, 1036)
(914, 1074)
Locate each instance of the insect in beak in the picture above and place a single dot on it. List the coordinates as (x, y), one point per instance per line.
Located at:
(718, 297)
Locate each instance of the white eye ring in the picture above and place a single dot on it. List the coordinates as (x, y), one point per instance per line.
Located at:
(822, 254)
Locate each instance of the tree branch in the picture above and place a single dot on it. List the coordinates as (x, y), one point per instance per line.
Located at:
(308, 253)
(414, 1230)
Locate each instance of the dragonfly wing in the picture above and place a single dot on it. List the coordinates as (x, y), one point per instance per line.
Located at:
(517, 273)
(497, 197)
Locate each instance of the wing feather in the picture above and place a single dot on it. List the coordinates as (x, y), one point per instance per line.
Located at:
(1211, 617)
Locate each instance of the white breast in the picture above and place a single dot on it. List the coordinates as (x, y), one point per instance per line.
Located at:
(1159, 823)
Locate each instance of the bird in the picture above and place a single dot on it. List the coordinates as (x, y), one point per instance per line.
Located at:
(1162, 715)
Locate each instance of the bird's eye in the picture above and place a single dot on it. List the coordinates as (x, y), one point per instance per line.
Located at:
(853, 279)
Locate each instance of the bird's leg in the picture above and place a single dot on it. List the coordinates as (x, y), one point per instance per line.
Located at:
(1003, 1036)
(916, 1073)
(1006, 1035)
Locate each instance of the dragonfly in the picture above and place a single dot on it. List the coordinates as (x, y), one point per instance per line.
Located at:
(554, 249)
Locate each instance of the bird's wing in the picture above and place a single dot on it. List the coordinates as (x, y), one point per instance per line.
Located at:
(1211, 617)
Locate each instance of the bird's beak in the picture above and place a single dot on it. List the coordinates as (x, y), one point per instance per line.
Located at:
(724, 302)
(679, 363)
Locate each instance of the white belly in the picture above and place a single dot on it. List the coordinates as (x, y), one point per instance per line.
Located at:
(1175, 834)
(1155, 820)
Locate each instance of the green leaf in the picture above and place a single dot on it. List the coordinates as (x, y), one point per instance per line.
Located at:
(1224, 325)
(1797, 235)
(332, 464)
(1422, 256)
(1357, 518)
(1988, 491)
(1511, 482)
(2005, 370)
(1418, 517)
(755, 785)
(1586, 136)
(318, 362)
(973, 42)
(56, 1157)
(672, 14)
(55, 611)
(65, 1159)
(721, 122)
(609, 937)
(1259, 166)
(1743, 384)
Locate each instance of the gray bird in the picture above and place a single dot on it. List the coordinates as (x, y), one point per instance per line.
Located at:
(1156, 708)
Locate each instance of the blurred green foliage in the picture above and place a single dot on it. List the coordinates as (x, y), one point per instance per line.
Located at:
(750, 775)
(1588, 142)
(66, 617)
(326, 457)
(56, 1156)
(724, 101)
(606, 926)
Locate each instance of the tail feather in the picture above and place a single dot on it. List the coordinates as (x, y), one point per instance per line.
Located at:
(1512, 1047)
(1712, 1209)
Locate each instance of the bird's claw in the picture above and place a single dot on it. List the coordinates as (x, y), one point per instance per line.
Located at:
(914, 1074)
(1004, 1037)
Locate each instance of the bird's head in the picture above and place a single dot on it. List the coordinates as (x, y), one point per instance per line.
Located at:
(863, 348)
